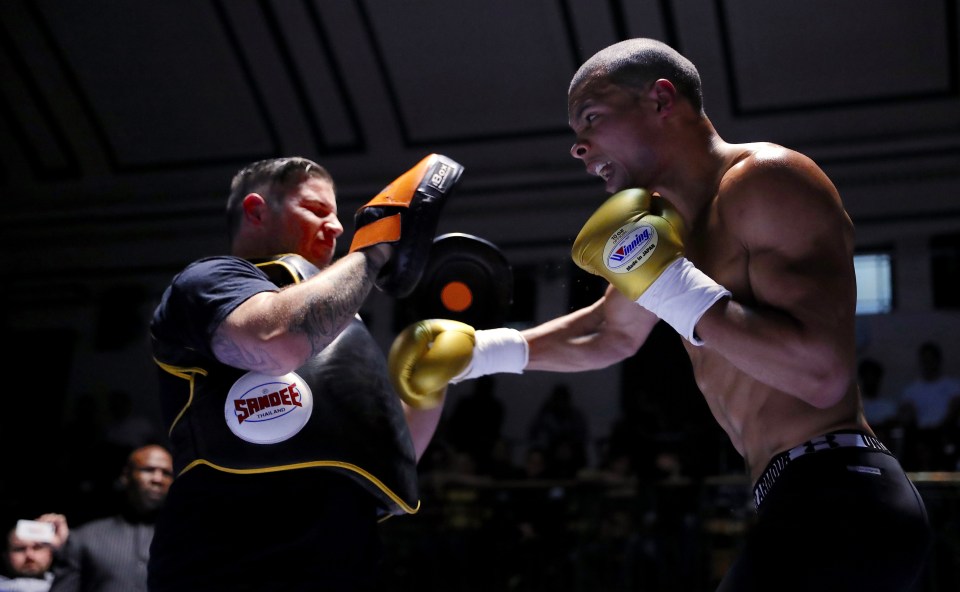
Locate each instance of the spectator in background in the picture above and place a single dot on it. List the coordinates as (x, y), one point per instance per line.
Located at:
(927, 403)
(879, 410)
(28, 556)
(636, 432)
(535, 537)
(560, 430)
(882, 412)
(111, 554)
(475, 424)
(951, 437)
(502, 465)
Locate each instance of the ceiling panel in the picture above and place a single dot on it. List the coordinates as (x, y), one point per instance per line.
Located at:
(471, 73)
(122, 122)
(161, 79)
(825, 54)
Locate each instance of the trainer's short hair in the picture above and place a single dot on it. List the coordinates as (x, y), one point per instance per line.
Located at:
(272, 178)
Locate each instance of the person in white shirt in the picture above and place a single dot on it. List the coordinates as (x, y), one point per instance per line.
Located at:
(927, 403)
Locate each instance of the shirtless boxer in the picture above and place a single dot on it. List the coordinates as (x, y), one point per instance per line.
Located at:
(752, 264)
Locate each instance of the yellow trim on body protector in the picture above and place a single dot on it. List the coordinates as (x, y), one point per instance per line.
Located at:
(294, 273)
(306, 465)
(190, 373)
(186, 374)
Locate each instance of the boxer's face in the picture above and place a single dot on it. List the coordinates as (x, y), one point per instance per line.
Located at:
(616, 133)
(308, 223)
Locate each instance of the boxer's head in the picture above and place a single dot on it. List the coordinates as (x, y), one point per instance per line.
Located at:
(635, 64)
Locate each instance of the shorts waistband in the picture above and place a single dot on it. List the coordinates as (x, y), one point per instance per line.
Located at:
(830, 441)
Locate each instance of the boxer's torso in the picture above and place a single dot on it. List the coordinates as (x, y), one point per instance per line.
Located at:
(760, 420)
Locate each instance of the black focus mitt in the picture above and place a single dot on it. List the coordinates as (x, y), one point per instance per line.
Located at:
(406, 212)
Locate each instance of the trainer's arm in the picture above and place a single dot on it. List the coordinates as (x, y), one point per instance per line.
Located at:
(277, 332)
(604, 333)
(795, 333)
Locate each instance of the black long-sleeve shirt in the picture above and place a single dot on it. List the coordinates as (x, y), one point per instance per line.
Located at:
(106, 555)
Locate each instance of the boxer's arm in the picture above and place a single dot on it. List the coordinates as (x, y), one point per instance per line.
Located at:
(796, 333)
(610, 330)
(604, 333)
(430, 354)
(277, 332)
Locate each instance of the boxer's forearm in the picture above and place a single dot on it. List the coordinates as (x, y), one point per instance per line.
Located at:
(604, 333)
(811, 361)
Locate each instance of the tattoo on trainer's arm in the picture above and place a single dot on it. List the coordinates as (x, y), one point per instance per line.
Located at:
(231, 353)
(328, 312)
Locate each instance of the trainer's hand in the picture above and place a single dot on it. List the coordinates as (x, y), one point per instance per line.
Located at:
(630, 241)
(405, 214)
(426, 356)
(634, 241)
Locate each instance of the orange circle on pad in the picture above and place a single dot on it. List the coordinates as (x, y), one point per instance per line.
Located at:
(456, 296)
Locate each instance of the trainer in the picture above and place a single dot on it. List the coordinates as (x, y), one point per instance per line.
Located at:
(289, 443)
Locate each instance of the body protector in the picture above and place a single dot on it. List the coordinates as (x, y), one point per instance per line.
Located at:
(337, 412)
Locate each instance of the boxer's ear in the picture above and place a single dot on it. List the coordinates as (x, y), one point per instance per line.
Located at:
(664, 94)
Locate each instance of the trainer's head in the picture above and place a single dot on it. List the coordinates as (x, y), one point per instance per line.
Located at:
(635, 64)
(283, 205)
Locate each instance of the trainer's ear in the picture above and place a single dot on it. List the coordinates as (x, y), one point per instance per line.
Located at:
(254, 207)
(664, 93)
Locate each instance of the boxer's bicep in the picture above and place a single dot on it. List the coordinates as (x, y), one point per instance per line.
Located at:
(791, 324)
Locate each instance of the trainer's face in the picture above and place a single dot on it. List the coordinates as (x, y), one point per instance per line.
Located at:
(308, 222)
(616, 133)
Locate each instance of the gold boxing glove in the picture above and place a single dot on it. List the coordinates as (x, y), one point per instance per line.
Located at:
(634, 241)
(426, 356)
(630, 240)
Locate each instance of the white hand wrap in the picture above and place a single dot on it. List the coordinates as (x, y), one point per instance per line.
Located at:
(495, 351)
(680, 296)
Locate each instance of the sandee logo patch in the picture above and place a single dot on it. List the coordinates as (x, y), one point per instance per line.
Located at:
(268, 406)
(267, 409)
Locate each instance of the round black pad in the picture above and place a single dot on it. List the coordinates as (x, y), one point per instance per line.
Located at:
(467, 279)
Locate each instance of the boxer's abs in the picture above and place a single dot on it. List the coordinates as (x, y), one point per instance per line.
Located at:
(762, 422)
